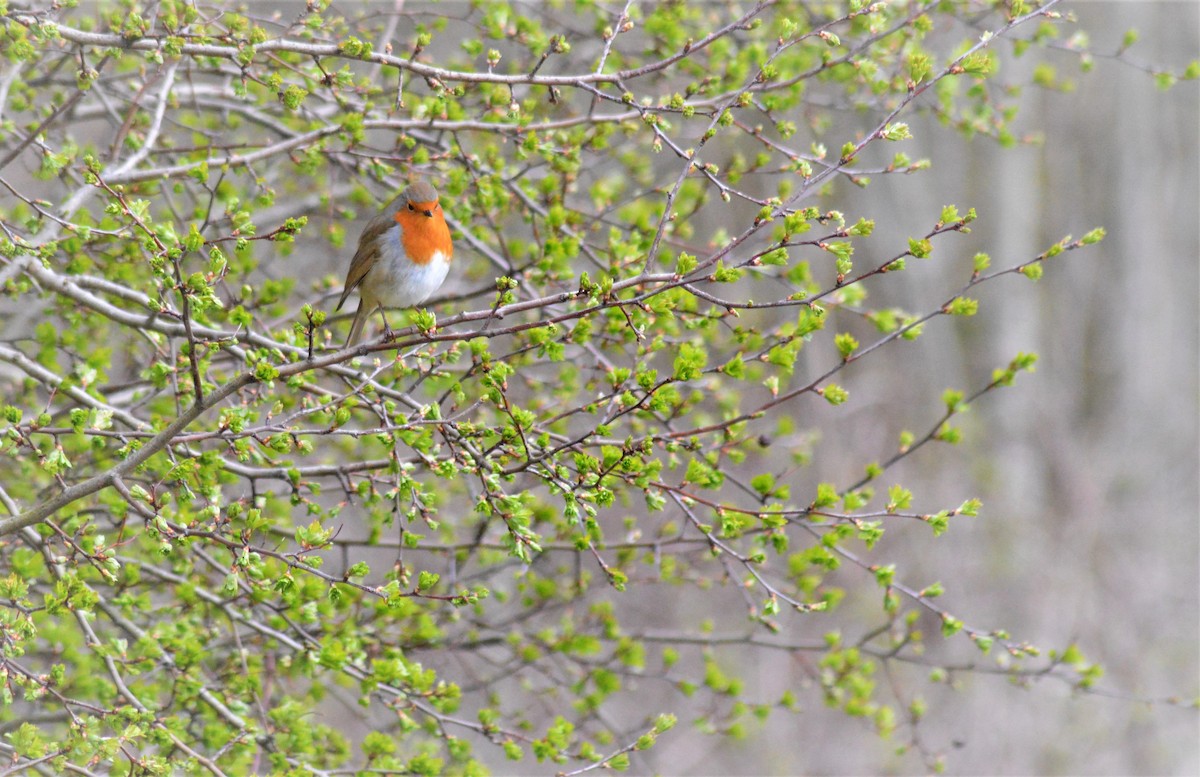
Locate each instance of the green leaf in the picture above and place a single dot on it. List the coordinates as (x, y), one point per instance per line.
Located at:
(265, 372)
(834, 394)
(963, 306)
(723, 274)
(846, 344)
(827, 496)
(920, 248)
(899, 498)
(702, 474)
(763, 483)
(920, 67)
(293, 97)
(932, 591)
(690, 362)
(980, 63)
(863, 227)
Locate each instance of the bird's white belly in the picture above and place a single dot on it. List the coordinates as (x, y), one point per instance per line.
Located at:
(399, 283)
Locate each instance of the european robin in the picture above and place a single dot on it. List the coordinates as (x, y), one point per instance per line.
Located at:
(403, 256)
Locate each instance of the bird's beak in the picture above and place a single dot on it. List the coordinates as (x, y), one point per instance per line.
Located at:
(428, 213)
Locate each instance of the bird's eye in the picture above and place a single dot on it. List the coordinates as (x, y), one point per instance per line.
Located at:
(410, 206)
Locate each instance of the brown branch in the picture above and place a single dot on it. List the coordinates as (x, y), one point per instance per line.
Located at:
(104, 480)
(157, 42)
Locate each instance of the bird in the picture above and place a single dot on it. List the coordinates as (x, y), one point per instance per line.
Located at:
(403, 256)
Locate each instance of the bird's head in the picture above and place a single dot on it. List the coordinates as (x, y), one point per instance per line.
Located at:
(420, 200)
(422, 223)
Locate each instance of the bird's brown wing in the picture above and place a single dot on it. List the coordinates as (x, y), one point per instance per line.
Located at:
(367, 253)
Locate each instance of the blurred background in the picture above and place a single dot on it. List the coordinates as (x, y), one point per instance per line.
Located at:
(1087, 468)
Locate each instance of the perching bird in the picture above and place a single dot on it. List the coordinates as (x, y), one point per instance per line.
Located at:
(403, 256)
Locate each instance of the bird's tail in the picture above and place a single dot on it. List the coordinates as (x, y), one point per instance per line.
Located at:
(360, 321)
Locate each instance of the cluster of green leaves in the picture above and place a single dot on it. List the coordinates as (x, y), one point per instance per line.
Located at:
(258, 527)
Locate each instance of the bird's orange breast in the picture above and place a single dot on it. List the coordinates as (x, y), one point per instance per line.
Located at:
(423, 236)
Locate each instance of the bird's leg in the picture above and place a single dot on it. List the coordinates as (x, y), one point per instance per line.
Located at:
(388, 334)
